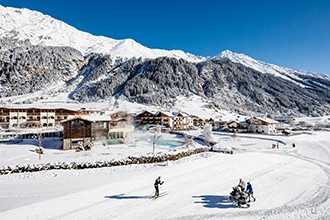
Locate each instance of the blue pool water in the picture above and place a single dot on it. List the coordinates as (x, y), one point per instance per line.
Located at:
(114, 142)
(165, 143)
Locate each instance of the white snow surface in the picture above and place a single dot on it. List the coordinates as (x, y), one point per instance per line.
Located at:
(44, 30)
(289, 183)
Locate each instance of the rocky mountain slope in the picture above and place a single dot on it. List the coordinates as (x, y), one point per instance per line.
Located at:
(229, 81)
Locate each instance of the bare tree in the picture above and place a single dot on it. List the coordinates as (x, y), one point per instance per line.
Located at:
(155, 136)
(188, 140)
(39, 137)
(207, 132)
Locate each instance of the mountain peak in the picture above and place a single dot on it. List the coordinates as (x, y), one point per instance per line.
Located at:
(43, 30)
(263, 67)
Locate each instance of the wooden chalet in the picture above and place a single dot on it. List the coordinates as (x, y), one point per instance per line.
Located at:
(163, 119)
(76, 130)
(145, 118)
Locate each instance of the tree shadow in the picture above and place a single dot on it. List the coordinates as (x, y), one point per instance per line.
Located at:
(213, 201)
(123, 196)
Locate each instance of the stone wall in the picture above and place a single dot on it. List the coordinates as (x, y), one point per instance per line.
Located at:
(98, 164)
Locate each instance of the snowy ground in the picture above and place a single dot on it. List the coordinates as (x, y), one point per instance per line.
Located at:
(289, 183)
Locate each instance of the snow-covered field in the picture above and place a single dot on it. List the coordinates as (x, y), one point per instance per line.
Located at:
(289, 183)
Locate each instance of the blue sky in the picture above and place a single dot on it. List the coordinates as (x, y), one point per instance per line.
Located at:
(289, 33)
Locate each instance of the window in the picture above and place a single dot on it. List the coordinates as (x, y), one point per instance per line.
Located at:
(74, 124)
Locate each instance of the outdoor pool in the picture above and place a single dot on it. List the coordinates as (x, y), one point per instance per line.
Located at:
(110, 142)
(163, 142)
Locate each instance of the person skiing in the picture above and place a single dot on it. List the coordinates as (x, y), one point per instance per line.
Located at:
(242, 185)
(156, 185)
(249, 190)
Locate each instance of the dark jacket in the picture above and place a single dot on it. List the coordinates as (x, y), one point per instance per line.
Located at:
(157, 182)
(249, 189)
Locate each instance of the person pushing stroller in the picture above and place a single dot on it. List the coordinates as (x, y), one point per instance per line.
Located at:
(249, 190)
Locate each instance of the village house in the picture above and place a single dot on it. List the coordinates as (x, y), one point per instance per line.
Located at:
(285, 120)
(181, 122)
(176, 121)
(237, 126)
(262, 125)
(145, 118)
(164, 119)
(197, 121)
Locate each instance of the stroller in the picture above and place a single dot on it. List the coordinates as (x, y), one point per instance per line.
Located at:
(239, 197)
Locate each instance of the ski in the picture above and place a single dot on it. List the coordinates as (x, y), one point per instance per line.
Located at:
(160, 195)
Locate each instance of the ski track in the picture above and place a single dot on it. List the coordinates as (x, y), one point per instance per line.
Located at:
(208, 195)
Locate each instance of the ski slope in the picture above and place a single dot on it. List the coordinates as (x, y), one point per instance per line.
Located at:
(289, 183)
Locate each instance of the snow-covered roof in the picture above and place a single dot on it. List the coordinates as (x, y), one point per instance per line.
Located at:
(91, 118)
(267, 120)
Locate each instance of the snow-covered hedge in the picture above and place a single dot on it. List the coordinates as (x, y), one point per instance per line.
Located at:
(97, 164)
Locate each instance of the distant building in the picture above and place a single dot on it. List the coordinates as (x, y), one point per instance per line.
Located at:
(197, 121)
(285, 120)
(145, 118)
(31, 117)
(84, 129)
(164, 119)
(235, 126)
(172, 121)
(180, 121)
(262, 125)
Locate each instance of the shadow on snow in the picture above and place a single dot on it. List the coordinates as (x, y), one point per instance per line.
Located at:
(123, 196)
(213, 201)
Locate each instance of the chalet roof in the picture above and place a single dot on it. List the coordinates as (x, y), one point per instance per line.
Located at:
(145, 111)
(284, 118)
(181, 114)
(118, 119)
(237, 122)
(91, 118)
(266, 120)
(163, 114)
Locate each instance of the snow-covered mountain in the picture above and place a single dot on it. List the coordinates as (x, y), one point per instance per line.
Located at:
(263, 67)
(44, 30)
(42, 58)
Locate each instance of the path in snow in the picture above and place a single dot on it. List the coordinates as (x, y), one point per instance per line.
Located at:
(289, 183)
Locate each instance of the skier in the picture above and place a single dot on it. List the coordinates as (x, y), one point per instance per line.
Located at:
(249, 190)
(157, 182)
(242, 185)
